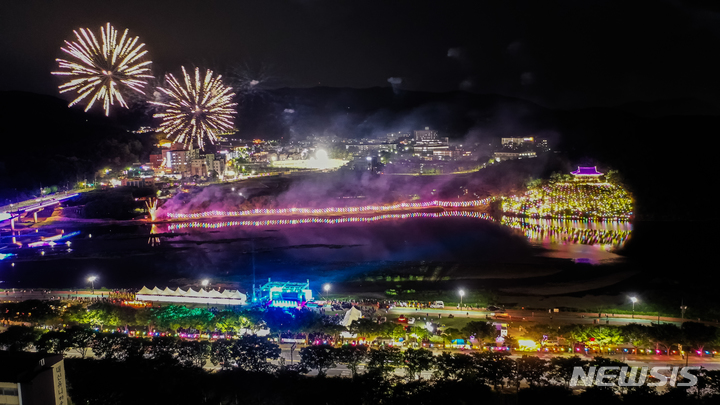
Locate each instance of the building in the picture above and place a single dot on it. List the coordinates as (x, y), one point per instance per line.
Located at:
(502, 156)
(138, 182)
(371, 163)
(32, 379)
(426, 135)
(586, 174)
(379, 147)
(204, 165)
(180, 160)
(517, 141)
(156, 160)
(285, 294)
(198, 167)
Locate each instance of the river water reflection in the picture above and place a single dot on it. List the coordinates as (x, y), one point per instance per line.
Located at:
(327, 248)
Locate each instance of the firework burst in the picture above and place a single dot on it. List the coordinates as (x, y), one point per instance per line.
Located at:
(103, 70)
(199, 109)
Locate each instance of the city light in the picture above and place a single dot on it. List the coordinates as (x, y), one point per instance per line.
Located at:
(571, 200)
(205, 282)
(634, 300)
(334, 210)
(328, 221)
(92, 279)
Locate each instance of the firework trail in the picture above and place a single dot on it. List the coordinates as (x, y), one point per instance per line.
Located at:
(197, 109)
(152, 207)
(103, 70)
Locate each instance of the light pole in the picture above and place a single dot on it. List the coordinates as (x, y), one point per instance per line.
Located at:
(461, 292)
(92, 279)
(326, 288)
(682, 311)
(634, 300)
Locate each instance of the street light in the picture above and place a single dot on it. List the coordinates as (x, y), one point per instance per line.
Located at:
(634, 300)
(326, 288)
(461, 292)
(682, 310)
(92, 279)
(205, 282)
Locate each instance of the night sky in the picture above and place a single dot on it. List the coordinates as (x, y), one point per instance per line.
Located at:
(566, 54)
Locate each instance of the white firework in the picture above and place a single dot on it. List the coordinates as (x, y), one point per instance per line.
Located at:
(104, 70)
(199, 109)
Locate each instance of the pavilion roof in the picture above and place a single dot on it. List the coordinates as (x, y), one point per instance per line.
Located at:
(587, 171)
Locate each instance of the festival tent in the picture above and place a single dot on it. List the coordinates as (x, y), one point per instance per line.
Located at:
(353, 314)
(144, 290)
(214, 294)
(227, 297)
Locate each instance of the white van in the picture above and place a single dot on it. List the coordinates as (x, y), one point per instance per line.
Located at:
(437, 304)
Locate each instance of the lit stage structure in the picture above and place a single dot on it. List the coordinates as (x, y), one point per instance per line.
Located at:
(285, 294)
(214, 297)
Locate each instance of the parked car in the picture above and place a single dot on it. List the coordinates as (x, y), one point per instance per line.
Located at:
(437, 304)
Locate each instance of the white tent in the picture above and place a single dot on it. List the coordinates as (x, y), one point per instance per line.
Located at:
(227, 297)
(145, 290)
(214, 294)
(351, 315)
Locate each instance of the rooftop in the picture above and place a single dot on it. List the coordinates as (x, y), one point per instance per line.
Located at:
(587, 171)
(285, 286)
(23, 366)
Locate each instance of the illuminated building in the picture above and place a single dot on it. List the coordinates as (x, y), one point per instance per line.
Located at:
(206, 164)
(380, 147)
(586, 174)
(156, 160)
(285, 294)
(516, 141)
(501, 156)
(138, 182)
(426, 135)
(32, 379)
(179, 160)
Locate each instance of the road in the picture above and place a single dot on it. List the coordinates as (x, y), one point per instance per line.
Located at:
(17, 295)
(544, 317)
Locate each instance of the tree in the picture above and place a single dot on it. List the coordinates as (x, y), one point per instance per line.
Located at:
(18, 338)
(80, 340)
(53, 342)
(352, 356)
(532, 369)
(417, 361)
(420, 332)
(320, 357)
(698, 335)
(164, 348)
(493, 367)
(384, 360)
(221, 352)
(364, 327)
(636, 334)
(561, 369)
(251, 353)
(193, 353)
(480, 330)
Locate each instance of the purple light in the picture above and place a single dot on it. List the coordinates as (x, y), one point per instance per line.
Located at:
(586, 171)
